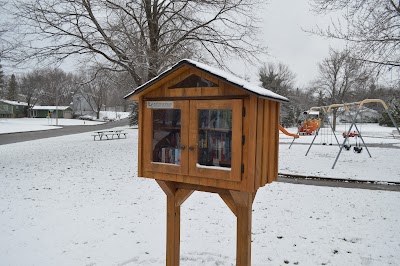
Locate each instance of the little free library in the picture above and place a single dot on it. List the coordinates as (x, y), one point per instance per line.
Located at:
(203, 129)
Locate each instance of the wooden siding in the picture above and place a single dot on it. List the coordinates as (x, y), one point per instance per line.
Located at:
(161, 88)
(259, 153)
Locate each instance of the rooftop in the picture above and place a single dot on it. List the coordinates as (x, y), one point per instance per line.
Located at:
(226, 76)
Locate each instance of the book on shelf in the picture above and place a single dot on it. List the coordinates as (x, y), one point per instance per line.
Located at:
(215, 148)
(170, 155)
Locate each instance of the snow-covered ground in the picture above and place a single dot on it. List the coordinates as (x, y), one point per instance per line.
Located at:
(113, 115)
(74, 201)
(13, 125)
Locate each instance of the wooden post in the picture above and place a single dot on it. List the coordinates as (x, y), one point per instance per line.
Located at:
(240, 204)
(244, 202)
(175, 198)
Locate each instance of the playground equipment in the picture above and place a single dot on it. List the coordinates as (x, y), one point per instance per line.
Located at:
(311, 123)
(284, 131)
(359, 105)
(356, 133)
(324, 110)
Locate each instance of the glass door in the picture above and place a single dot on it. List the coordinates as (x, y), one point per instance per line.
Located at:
(165, 148)
(215, 134)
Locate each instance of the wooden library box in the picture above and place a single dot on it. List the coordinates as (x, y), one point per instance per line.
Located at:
(205, 127)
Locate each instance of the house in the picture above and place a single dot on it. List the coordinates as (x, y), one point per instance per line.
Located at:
(366, 115)
(81, 105)
(45, 111)
(12, 109)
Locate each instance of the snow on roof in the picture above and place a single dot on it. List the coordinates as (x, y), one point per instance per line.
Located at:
(313, 112)
(244, 84)
(38, 107)
(14, 102)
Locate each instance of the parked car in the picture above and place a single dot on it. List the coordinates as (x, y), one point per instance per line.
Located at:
(106, 119)
(86, 117)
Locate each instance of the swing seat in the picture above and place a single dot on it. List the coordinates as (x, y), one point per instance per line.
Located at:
(347, 147)
(358, 149)
(351, 134)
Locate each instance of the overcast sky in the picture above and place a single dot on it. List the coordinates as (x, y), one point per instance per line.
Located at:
(283, 21)
(282, 25)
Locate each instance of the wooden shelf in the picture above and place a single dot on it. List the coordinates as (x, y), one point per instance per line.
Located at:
(215, 129)
(167, 128)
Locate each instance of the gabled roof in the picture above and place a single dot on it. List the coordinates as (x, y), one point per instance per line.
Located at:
(61, 108)
(14, 102)
(225, 76)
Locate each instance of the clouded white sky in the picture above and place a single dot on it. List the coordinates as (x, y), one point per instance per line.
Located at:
(283, 21)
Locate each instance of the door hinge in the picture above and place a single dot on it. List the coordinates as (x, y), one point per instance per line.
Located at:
(243, 139)
(242, 168)
(244, 111)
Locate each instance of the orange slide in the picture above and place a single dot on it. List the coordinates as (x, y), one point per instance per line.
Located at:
(281, 128)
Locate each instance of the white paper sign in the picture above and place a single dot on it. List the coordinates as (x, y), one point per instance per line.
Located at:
(160, 104)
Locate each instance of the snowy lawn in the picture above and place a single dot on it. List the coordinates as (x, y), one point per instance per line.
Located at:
(74, 201)
(12, 125)
(383, 166)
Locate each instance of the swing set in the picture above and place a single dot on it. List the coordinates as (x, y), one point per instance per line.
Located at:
(356, 133)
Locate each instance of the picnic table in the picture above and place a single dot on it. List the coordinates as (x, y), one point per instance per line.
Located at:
(110, 134)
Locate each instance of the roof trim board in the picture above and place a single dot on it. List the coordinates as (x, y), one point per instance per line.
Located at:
(220, 74)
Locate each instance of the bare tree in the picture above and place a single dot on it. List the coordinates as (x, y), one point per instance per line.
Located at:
(280, 79)
(12, 88)
(8, 40)
(31, 84)
(141, 37)
(120, 84)
(2, 84)
(277, 78)
(371, 28)
(96, 91)
(339, 75)
(52, 86)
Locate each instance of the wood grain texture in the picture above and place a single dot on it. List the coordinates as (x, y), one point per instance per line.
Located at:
(235, 173)
(229, 201)
(258, 155)
(149, 165)
(244, 201)
(181, 196)
(272, 142)
(175, 198)
(259, 143)
(250, 168)
(140, 137)
(265, 143)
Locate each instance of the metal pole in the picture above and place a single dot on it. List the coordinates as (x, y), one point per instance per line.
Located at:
(56, 106)
(294, 138)
(298, 132)
(394, 122)
(330, 124)
(313, 140)
(345, 139)
(365, 145)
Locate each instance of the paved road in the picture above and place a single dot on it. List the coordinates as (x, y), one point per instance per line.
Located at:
(67, 130)
(340, 183)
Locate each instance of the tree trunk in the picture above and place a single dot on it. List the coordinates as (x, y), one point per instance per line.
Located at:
(334, 115)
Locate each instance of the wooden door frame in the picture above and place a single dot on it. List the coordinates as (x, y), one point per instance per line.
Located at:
(148, 164)
(235, 173)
